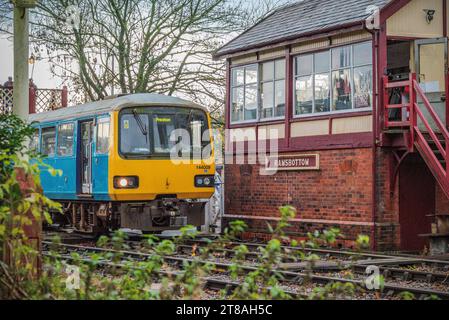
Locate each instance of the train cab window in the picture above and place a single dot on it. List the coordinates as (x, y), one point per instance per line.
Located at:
(102, 143)
(155, 132)
(163, 126)
(134, 134)
(48, 141)
(65, 139)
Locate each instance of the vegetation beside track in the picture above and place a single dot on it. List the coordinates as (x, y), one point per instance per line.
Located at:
(22, 204)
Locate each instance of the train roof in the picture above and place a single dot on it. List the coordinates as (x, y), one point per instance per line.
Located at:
(108, 105)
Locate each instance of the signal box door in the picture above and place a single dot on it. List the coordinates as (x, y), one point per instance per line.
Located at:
(86, 134)
(432, 70)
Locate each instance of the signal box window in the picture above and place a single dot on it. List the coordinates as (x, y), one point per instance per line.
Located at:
(273, 89)
(102, 143)
(48, 141)
(65, 140)
(244, 93)
(338, 79)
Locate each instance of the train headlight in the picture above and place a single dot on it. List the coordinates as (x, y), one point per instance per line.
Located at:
(204, 181)
(126, 182)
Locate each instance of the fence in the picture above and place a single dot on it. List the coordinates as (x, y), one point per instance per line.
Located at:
(41, 100)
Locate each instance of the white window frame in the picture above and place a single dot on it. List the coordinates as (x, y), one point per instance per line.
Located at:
(273, 82)
(232, 87)
(331, 69)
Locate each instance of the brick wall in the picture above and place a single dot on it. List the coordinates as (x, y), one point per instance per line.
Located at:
(340, 190)
(339, 194)
(441, 201)
(387, 203)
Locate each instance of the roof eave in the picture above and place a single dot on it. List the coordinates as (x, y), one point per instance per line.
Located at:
(295, 38)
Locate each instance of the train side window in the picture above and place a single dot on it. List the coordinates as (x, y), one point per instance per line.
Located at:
(102, 143)
(48, 141)
(34, 143)
(65, 139)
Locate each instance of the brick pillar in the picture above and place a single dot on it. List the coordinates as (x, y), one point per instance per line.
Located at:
(32, 100)
(64, 96)
(32, 232)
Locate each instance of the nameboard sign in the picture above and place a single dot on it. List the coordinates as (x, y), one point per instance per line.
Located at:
(296, 162)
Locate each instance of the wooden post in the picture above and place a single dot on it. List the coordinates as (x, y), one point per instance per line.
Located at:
(412, 111)
(64, 97)
(32, 100)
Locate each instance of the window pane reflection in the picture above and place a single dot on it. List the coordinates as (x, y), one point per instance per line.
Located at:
(341, 86)
(341, 57)
(65, 139)
(251, 102)
(304, 95)
(304, 65)
(268, 71)
(322, 92)
(237, 104)
(279, 108)
(251, 74)
(363, 77)
(363, 54)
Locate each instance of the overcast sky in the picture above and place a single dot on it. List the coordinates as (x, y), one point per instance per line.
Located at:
(42, 74)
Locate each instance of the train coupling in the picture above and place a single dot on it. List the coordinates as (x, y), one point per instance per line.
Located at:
(174, 213)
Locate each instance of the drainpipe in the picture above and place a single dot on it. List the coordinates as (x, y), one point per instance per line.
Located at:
(375, 133)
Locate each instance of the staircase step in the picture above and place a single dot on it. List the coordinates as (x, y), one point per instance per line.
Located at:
(394, 131)
(434, 142)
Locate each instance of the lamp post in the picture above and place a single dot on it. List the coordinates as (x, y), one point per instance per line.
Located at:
(32, 61)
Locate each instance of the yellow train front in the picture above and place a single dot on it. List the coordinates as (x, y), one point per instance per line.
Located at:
(141, 161)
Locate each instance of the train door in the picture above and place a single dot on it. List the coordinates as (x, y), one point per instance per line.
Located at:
(86, 143)
(100, 158)
(432, 70)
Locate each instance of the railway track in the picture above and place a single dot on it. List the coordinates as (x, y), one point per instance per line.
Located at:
(347, 255)
(390, 288)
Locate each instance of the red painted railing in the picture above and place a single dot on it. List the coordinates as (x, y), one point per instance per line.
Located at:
(421, 137)
(41, 100)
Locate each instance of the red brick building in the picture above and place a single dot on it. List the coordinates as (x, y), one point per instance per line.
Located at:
(356, 92)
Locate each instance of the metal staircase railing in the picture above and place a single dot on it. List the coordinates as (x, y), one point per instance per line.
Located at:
(432, 142)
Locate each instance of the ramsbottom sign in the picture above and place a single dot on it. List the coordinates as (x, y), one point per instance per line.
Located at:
(293, 162)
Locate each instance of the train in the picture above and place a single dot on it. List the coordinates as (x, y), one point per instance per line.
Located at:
(139, 161)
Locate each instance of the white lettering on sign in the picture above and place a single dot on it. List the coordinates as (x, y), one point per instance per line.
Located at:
(293, 162)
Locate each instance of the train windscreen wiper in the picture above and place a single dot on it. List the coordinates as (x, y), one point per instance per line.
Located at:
(141, 125)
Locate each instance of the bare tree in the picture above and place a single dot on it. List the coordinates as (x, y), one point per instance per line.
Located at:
(100, 47)
(5, 16)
